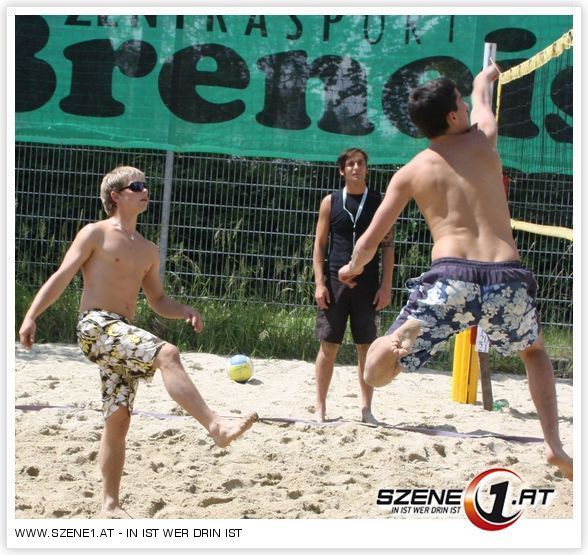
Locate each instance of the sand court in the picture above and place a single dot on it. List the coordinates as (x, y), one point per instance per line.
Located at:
(287, 465)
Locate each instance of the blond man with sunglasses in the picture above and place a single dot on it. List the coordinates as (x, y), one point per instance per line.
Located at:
(116, 263)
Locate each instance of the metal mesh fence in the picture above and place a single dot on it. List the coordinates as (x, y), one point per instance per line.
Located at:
(241, 228)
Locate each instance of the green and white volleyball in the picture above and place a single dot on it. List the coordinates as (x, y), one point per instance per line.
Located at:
(240, 368)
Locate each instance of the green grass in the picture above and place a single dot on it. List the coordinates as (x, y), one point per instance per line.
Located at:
(259, 330)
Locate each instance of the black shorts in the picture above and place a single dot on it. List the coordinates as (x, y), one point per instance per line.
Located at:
(356, 304)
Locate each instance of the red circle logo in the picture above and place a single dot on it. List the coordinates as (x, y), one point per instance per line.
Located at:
(499, 481)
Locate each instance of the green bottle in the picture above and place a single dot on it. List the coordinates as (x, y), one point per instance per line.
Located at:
(499, 404)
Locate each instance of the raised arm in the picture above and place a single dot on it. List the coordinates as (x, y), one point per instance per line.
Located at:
(80, 250)
(164, 305)
(482, 115)
(396, 197)
(319, 252)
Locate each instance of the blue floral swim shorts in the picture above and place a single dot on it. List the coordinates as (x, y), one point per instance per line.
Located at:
(124, 353)
(456, 294)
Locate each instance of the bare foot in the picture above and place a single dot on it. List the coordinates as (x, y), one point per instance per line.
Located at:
(321, 413)
(368, 417)
(404, 337)
(560, 459)
(116, 512)
(224, 431)
(383, 358)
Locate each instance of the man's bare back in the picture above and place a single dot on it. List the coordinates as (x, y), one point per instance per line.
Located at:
(457, 185)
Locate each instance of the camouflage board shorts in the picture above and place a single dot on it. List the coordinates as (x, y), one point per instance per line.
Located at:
(124, 353)
(456, 294)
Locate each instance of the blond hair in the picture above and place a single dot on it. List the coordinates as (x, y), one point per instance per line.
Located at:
(115, 180)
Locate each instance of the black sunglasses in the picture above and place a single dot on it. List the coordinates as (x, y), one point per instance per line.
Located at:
(135, 186)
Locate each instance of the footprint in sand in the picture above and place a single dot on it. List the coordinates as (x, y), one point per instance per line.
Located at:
(346, 439)
(51, 430)
(156, 506)
(61, 512)
(92, 456)
(420, 457)
(271, 479)
(497, 448)
(296, 494)
(32, 471)
(312, 507)
(232, 484)
(440, 449)
(214, 501)
(156, 466)
(171, 432)
(94, 436)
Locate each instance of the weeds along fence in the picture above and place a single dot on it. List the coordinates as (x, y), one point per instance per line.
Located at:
(236, 232)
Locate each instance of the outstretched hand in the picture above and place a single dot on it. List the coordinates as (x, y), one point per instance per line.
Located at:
(27, 333)
(193, 317)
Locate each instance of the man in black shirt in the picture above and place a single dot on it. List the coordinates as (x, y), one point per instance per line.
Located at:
(343, 216)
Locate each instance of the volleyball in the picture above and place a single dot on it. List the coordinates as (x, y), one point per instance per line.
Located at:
(240, 368)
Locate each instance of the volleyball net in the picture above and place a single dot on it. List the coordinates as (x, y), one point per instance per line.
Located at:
(534, 112)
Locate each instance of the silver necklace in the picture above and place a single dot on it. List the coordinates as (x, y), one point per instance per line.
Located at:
(131, 234)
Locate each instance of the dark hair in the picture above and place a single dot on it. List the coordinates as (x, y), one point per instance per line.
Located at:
(346, 154)
(429, 104)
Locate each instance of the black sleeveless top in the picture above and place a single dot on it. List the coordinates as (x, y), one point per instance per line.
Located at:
(341, 230)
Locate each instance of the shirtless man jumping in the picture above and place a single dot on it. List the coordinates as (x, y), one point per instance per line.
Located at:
(116, 262)
(476, 277)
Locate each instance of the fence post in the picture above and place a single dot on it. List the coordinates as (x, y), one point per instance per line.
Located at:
(165, 211)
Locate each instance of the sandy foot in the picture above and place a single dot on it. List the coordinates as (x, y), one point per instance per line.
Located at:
(117, 513)
(402, 340)
(562, 461)
(225, 431)
(368, 418)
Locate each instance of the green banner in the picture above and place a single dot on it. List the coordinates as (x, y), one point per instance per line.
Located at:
(292, 86)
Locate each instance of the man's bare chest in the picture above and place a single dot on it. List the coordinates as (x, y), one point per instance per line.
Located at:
(126, 256)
